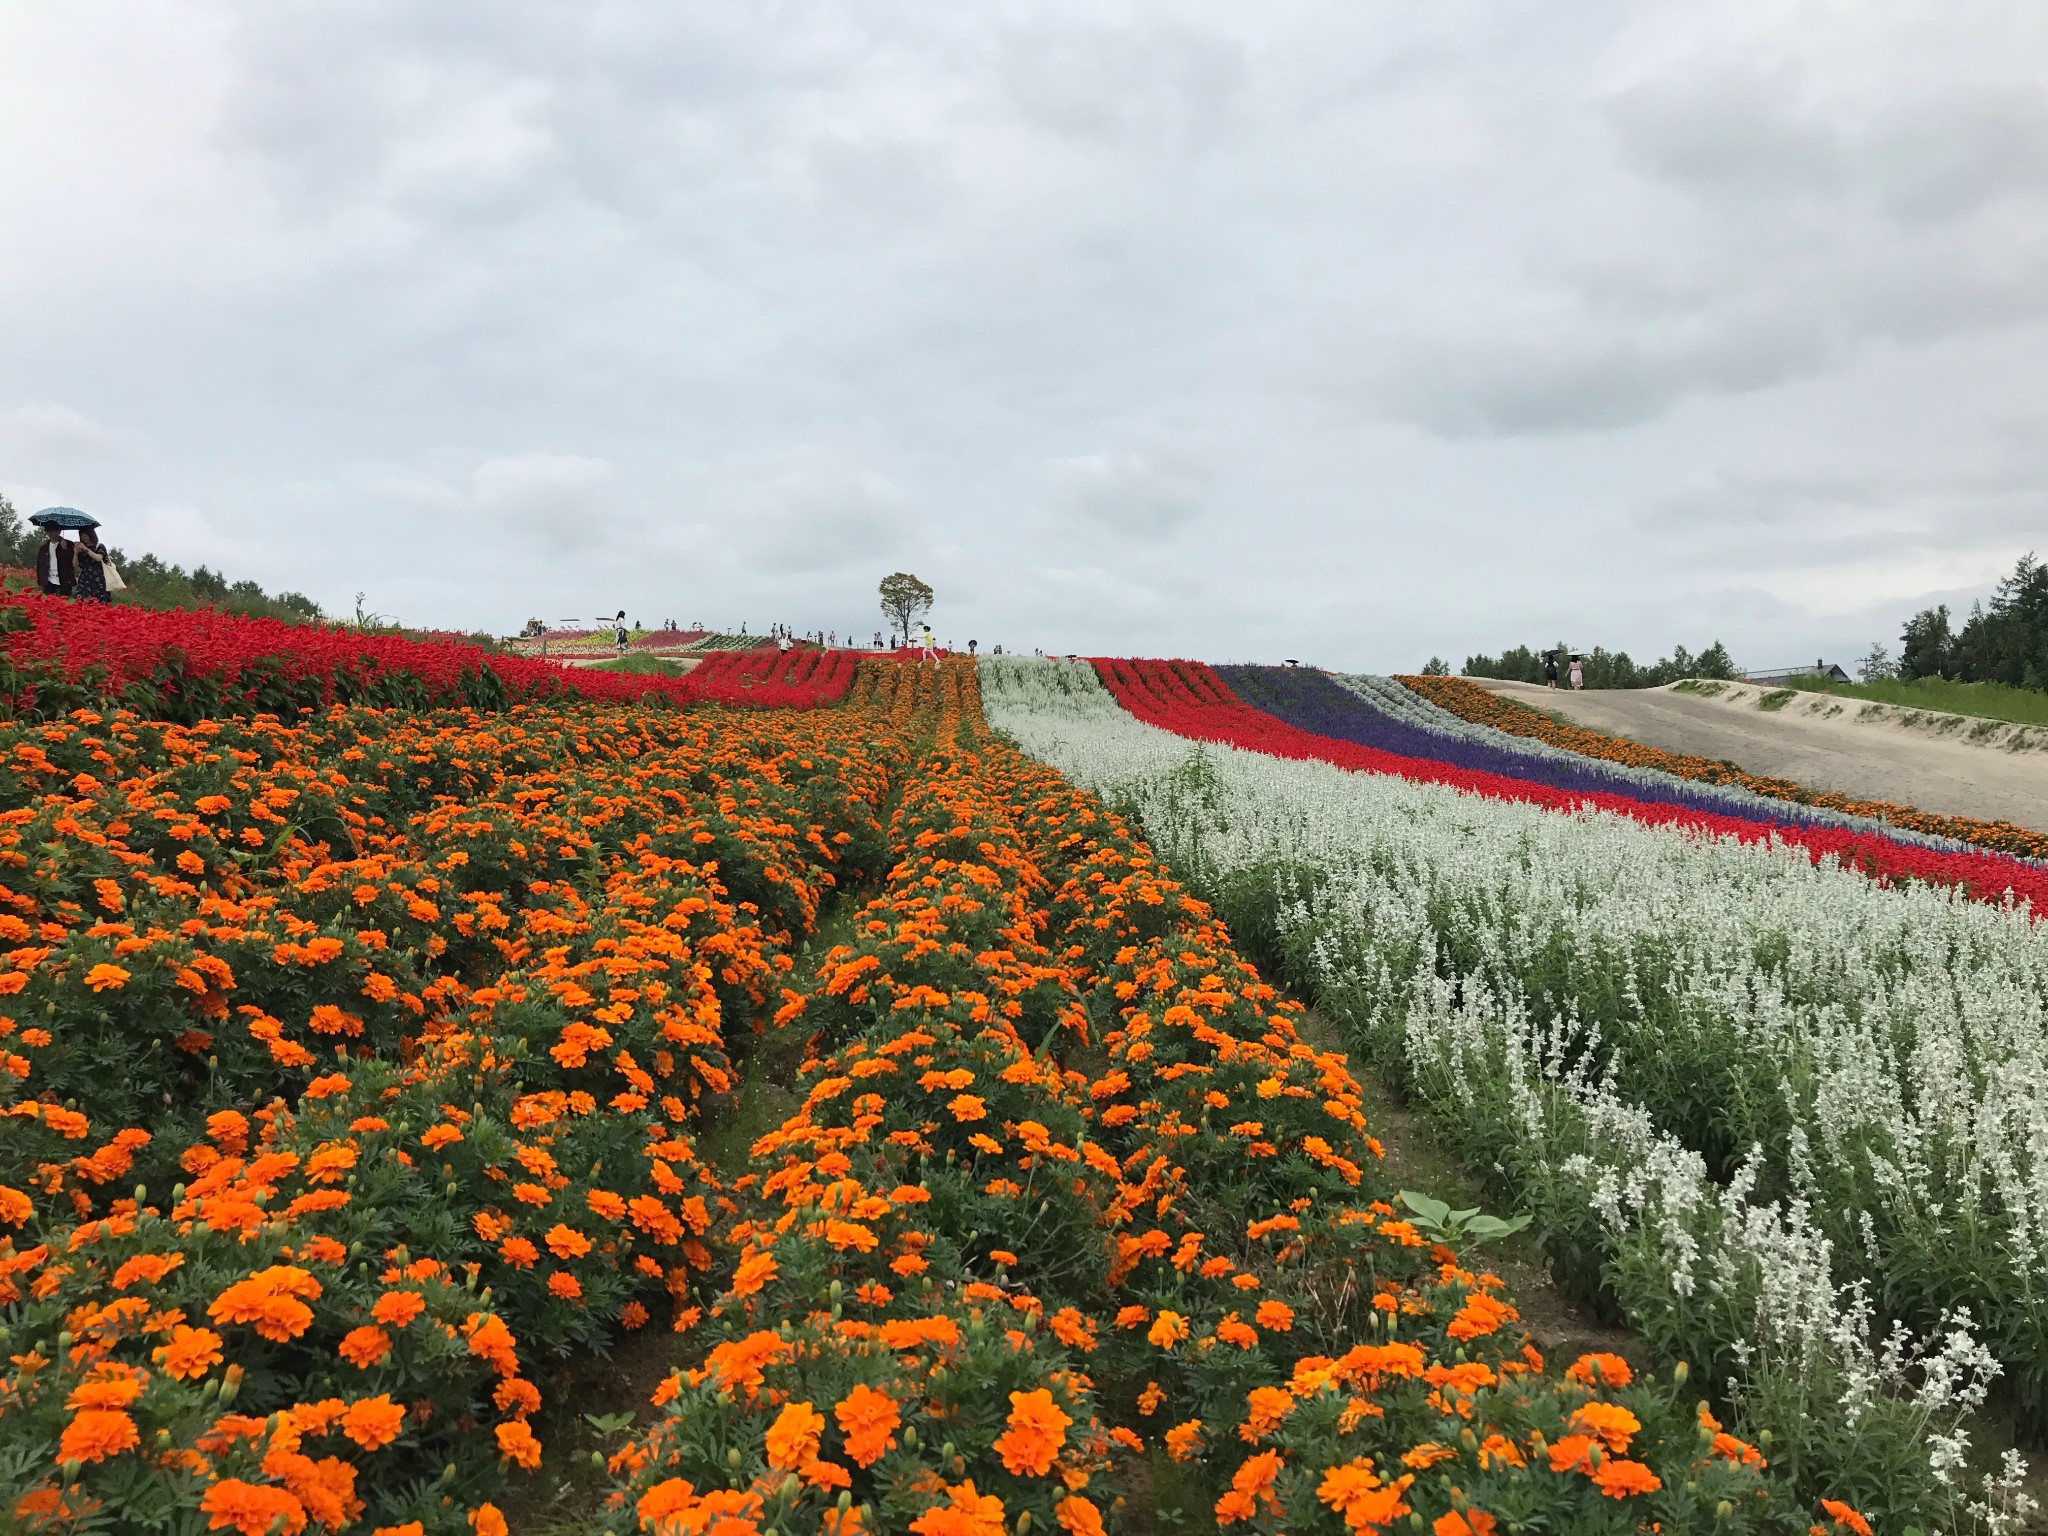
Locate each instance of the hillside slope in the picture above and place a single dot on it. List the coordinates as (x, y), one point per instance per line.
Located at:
(1874, 758)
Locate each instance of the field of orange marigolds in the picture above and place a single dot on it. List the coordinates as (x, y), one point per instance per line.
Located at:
(354, 1079)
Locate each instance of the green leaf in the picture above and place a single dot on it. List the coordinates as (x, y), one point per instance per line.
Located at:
(1428, 1207)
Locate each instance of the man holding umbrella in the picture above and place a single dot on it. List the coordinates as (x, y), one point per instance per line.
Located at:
(56, 557)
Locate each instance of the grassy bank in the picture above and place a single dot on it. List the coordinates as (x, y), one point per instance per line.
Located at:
(1984, 701)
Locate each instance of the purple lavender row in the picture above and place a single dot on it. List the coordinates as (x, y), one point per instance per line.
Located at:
(1313, 701)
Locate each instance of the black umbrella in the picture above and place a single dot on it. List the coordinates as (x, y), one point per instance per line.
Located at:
(64, 517)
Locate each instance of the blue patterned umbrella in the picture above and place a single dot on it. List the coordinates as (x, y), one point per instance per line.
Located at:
(64, 517)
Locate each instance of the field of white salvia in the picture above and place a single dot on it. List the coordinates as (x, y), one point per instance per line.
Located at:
(1792, 1124)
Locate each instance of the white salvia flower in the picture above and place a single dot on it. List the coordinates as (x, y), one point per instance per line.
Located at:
(1615, 1004)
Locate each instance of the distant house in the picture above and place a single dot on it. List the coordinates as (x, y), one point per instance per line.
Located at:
(1777, 677)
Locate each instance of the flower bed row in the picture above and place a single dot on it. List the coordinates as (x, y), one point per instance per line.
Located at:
(1767, 1109)
(1068, 1188)
(1190, 699)
(765, 679)
(345, 1072)
(1378, 712)
(1470, 701)
(195, 664)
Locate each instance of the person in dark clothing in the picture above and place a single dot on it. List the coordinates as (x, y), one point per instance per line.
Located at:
(1550, 669)
(90, 562)
(56, 564)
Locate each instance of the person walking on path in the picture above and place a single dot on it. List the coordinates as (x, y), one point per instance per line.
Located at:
(926, 649)
(1550, 669)
(56, 564)
(1578, 674)
(89, 560)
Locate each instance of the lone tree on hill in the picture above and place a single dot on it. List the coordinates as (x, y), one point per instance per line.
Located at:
(904, 597)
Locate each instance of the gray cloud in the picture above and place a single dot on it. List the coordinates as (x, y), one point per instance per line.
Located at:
(1356, 332)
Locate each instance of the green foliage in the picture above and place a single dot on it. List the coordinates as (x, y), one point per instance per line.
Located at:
(1983, 701)
(640, 666)
(2004, 643)
(904, 598)
(1604, 668)
(1436, 1220)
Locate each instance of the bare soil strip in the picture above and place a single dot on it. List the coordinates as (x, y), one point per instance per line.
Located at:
(1833, 744)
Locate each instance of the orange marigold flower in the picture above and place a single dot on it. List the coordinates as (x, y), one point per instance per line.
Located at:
(488, 1520)
(868, 1420)
(966, 1513)
(1482, 1314)
(1600, 1370)
(966, 1108)
(396, 1309)
(102, 978)
(252, 1509)
(97, 1433)
(270, 1301)
(565, 1242)
(1072, 1329)
(373, 1422)
(1356, 1491)
(191, 1352)
(1470, 1522)
(519, 1253)
(1037, 1430)
(110, 1386)
(1609, 1422)
(1078, 1516)
(794, 1436)
(1252, 1482)
(1234, 1330)
(1618, 1478)
(665, 1500)
(517, 1443)
(1573, 1453)
(1167, 1330)
(1276, 1315)
(755, 1270)
(516, 1397)
(365, 1346)
(1843, 1515)
(1266, 1407)
(1183, 1441)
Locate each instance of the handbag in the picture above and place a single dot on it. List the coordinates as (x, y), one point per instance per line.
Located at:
(114, 581)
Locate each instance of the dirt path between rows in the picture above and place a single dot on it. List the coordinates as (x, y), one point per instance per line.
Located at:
(1875, 759)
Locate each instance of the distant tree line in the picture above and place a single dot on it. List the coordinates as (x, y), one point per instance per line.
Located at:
(2004, 642)
(1604, 668)
(155, 583)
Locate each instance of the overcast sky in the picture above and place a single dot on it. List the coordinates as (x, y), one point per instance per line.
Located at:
(1339, 330)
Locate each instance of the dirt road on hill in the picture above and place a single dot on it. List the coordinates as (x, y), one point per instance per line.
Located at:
(1874, 759)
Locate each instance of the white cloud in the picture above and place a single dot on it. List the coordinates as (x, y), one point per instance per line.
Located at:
(558, 498)
(1140, 494)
